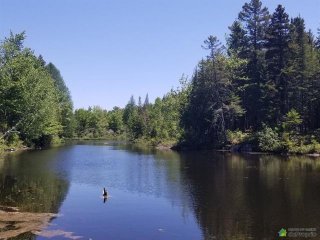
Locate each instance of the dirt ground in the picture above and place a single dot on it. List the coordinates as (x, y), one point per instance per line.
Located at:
(13, 223)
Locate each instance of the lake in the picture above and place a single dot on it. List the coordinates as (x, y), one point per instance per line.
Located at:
(161, 194)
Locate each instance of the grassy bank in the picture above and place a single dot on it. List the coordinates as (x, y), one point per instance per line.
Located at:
(13, 143)
(156, 143)
(109, 137)
(267, 140)
(142, 141)
(273, 141)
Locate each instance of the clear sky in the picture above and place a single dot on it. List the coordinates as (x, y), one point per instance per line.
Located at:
(108, 50)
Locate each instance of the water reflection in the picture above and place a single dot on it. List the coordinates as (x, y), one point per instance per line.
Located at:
(156, 172)
(28, 184)
(242, 197)
(164, 194)
(235, 196)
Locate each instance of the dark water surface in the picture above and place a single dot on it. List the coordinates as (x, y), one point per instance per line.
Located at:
(162, 194)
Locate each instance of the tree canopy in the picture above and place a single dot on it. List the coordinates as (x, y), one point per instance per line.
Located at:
(30, 98)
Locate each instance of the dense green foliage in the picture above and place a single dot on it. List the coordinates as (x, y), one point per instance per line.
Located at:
(153, 123)
(262, 88)
(32, 106)
(64, 99)
(212, 105)
(91, 123)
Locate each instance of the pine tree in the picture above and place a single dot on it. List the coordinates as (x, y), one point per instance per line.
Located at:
(317, 43)
(254, 19)
(312, 74)
(129, 109)
(211, 100)
(237, 41)
(277, 57)
(146, 101)
(297, 64)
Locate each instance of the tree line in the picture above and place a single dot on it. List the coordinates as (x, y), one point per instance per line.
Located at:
(138, 121)
(262, 88)
(259, 89)
(35, 104)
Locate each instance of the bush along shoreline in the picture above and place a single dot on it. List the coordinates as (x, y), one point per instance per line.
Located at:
(285, 139)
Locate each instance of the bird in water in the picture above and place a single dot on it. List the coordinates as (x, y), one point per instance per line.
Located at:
(104, 193)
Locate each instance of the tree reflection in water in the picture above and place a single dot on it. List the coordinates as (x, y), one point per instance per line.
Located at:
(237, 196)
(231, 196)
(27, 183)
(252, 196)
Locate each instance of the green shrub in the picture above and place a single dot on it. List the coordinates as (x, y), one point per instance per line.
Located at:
(292, 121)
(56, 141)
(14, 141)
(269, 140)
(289, 145)
(313, 147)
(316, 147)
(2, 146)
(236, 137)
(317, 134)
(300, 147)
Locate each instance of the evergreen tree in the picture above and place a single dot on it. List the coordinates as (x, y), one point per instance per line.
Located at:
(41, 60)
(146, 101)
(128, 110)
(210, 99)
(318, 40)
(277, 57)
(297, 64)
(254, 19)
(237, 40)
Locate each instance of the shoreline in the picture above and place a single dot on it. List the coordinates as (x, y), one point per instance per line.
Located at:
(14, 150)
(177, 148)
(160, 147)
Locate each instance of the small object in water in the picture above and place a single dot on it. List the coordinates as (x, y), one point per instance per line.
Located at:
(104, 193)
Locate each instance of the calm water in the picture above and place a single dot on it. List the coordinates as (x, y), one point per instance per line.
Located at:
(162, 195)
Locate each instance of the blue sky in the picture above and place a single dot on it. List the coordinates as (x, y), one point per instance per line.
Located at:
(109, 50)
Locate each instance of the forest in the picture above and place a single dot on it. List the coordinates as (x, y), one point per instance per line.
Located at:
(260, 91)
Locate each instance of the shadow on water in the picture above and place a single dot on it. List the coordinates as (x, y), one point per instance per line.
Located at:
(252, 196)
(28, 183)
